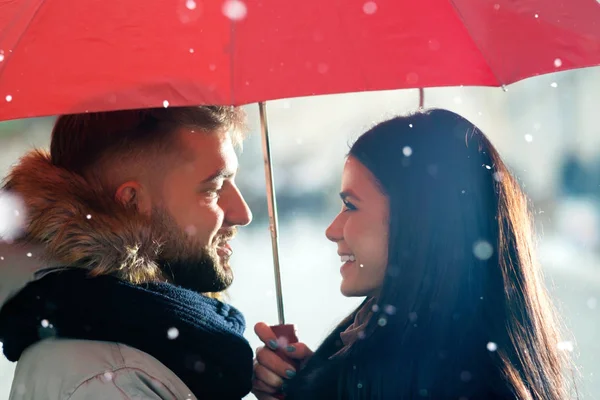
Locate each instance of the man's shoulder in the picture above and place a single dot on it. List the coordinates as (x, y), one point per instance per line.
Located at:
(66, 367)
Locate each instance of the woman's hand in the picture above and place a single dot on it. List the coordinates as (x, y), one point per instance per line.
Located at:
(271, 370)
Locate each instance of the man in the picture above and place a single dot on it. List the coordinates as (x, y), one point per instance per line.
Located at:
(131, 213)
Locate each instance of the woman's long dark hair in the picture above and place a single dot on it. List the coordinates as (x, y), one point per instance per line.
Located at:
(463, 312)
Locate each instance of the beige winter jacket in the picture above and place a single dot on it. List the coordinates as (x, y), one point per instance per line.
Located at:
(87, 370)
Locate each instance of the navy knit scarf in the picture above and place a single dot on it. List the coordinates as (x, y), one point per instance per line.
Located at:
(198, 338)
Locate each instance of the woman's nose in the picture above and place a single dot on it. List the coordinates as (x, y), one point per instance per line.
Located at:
(334, 230)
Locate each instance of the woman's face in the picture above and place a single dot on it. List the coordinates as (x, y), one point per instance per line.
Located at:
(360, 231)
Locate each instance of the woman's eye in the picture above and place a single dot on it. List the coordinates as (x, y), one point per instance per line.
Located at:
(349, 206)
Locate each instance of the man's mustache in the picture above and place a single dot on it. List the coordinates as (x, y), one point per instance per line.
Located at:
(226, 235)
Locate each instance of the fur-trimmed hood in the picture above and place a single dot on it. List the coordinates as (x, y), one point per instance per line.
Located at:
(71, 222)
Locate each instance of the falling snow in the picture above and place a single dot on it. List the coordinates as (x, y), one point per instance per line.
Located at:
(558, 63)
(166, 103)
(173, 333)
(191, 4)
(235, 10)
(407, 151)
(465, 376)
(412, 78)
(592, 303)
(45, 323)
(483, 250)
(9, 98)
(200, 367)
(370, 7)
(491, 346)
(434, 44)
(282, 342)
(565, 346)
(528, 138)
(389, 309)
(554, 84)
(432, 170)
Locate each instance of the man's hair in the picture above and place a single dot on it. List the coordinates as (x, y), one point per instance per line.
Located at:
(85, 143)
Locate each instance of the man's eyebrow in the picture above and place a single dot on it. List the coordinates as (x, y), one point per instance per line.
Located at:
(348, 193)
(219, 174)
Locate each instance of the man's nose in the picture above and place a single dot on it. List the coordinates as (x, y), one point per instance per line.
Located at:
(237, 213)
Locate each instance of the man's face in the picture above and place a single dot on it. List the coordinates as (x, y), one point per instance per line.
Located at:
(197, 211)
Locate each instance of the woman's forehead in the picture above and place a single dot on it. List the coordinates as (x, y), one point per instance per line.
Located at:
(357, 179)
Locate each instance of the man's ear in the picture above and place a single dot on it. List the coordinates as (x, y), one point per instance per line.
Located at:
(132, 194)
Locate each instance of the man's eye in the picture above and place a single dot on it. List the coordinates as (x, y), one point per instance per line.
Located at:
(212, 193)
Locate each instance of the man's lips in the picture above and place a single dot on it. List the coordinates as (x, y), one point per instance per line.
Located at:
(224, 250)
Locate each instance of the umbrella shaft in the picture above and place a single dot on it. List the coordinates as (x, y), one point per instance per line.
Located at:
(272, 206)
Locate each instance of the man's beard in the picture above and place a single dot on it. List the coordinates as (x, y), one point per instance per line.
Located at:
(186, 262)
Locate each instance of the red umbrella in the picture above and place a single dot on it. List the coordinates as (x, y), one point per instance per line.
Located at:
(61, 57)
(74, 56)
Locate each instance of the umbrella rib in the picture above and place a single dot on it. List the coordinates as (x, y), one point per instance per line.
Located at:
(349, 45)
(464, 22)
(231, 63)
(14, 47)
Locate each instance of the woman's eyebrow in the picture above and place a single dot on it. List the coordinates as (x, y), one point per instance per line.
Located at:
(348, 193)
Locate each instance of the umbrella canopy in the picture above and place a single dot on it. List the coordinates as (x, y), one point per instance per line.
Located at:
(61, 57)
(98, 55)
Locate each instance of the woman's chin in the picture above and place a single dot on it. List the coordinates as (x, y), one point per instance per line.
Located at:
(349, 289)
(352, 291)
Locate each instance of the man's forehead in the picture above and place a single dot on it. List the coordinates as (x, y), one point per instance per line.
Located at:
(200, 139)
(209, 151)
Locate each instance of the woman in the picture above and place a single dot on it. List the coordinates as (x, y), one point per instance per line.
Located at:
(435, 233)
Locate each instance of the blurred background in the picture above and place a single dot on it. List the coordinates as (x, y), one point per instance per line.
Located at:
(546, 128)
